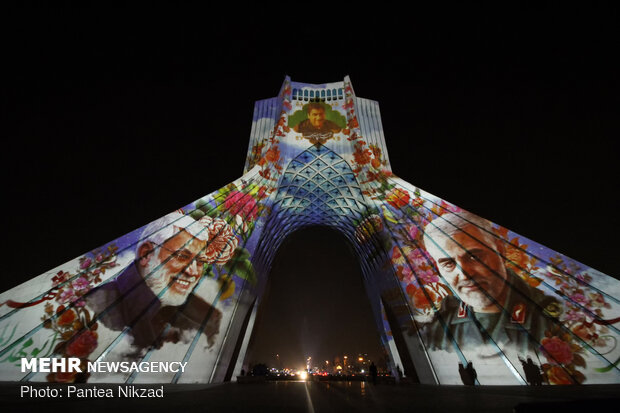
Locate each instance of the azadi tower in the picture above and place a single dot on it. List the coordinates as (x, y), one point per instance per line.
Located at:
(446, 287)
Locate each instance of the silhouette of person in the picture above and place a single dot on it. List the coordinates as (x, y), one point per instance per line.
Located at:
(527, 371)
(471, 372)
(534, 373)
(373, 372)
(468, 374)
(463, 374)
(399, 371)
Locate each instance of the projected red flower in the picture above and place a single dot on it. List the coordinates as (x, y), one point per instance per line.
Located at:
(66, 318)
(397, 197)
(83, 345)
(557, 375)
(420, 298)
(222, 242)
(556, 350)
(238, 203)
(273, 154)
(361, 154)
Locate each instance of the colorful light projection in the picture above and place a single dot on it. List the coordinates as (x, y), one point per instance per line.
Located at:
(447, 287)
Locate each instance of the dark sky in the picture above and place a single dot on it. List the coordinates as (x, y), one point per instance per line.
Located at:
(113, 118)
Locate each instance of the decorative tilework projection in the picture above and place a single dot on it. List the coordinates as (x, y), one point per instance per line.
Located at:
(319, 188)
(447, 287)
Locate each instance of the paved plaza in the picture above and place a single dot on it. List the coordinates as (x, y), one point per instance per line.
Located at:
(312, 396)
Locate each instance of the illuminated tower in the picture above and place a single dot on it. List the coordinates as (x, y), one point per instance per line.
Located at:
(446, 286)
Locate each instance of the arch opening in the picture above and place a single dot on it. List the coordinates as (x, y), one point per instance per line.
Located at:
(315, 304)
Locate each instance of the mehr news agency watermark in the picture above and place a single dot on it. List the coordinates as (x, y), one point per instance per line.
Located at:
(72, 365)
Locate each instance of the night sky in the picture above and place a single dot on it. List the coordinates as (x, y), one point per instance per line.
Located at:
(315, 305)
(113, 118)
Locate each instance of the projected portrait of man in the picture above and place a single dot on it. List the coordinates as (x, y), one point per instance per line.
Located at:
(488, 294)
(154, 295)
(316, 126)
